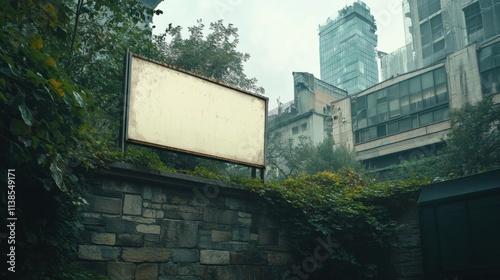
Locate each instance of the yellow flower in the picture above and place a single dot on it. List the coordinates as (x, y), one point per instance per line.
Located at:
(51, 62)
(56, 84)
(36, 42)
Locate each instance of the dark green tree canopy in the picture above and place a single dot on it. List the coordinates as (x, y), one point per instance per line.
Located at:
(213, 55)
(290, 159)
(473, 144)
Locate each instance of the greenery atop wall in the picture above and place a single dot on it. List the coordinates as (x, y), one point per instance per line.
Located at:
(355, 213)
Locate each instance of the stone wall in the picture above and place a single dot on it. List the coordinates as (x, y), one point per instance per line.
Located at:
(150, 225)
(404, 259)
(143, 225)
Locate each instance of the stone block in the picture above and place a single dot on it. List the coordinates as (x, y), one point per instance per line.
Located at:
(121, 270)
(151, 205)
(153, 213)
(168, 269)
(132, 204)
(190, 270)
(102, 204)
(117, 225)
(235, 204)
(98, 252)
(185, 255)
(220, 236)
(147, 193)
(141, 220)
(245, 221)
(220, 216)
(230, 246)
(146, 254)
(159, 197)
(188, 234)
(215, 257)
(241, 233)
(152, 229)
(92, 219)
(175, 199)
(146, 272)
(254, 237)
(170, 231)
(103, 238)
(120, 186)
(130, 240)
(237, 258)
(183, 212)
(152, 239)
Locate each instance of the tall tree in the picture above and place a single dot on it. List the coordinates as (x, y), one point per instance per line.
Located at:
(473, 144)
(213, 56)
(288, 159)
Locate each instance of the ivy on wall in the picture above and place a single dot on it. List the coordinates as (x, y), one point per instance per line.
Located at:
(355, 215)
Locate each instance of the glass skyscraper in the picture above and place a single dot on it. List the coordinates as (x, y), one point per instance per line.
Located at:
(347, 49)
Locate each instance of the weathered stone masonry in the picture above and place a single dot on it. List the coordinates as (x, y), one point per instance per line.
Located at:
(150, 225)
(146, 225)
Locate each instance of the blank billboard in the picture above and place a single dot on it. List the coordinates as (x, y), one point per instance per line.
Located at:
(178, 110)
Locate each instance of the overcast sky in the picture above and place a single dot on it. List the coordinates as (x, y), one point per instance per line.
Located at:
(280, 36)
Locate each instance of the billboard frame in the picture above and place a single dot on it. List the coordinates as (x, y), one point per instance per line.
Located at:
(125, 140)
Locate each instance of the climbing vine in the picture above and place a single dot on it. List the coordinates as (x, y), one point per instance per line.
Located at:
(358, 215)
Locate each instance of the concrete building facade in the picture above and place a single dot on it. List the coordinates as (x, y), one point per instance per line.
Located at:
(347, 49)
(441, 27)
(408, 115)
(308, 114)
(401, 60)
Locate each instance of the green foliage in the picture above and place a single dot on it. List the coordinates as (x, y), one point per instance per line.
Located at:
(305, 158)
(58, 114)
(327, 157)
(213, 56)
(41, 113)
(358, 215)
(426, 167)
(282, 156)
(473, 144)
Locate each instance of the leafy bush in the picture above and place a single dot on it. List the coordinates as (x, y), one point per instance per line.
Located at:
(358, 215)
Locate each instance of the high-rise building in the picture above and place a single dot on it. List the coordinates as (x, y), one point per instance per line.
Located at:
(347, 49)
(441, 27)
(401, 60)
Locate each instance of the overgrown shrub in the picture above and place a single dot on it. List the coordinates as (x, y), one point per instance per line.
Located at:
(357, 215)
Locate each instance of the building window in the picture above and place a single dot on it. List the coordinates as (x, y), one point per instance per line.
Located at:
(489, 67)
(409, 104)
(432, 36)
(303, 126)
(474, 22)
(295, 130)
(427, 8)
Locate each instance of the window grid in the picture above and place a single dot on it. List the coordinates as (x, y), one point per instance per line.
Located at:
(407, 105)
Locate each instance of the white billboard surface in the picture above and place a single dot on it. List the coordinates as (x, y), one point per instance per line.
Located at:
(180, 111)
